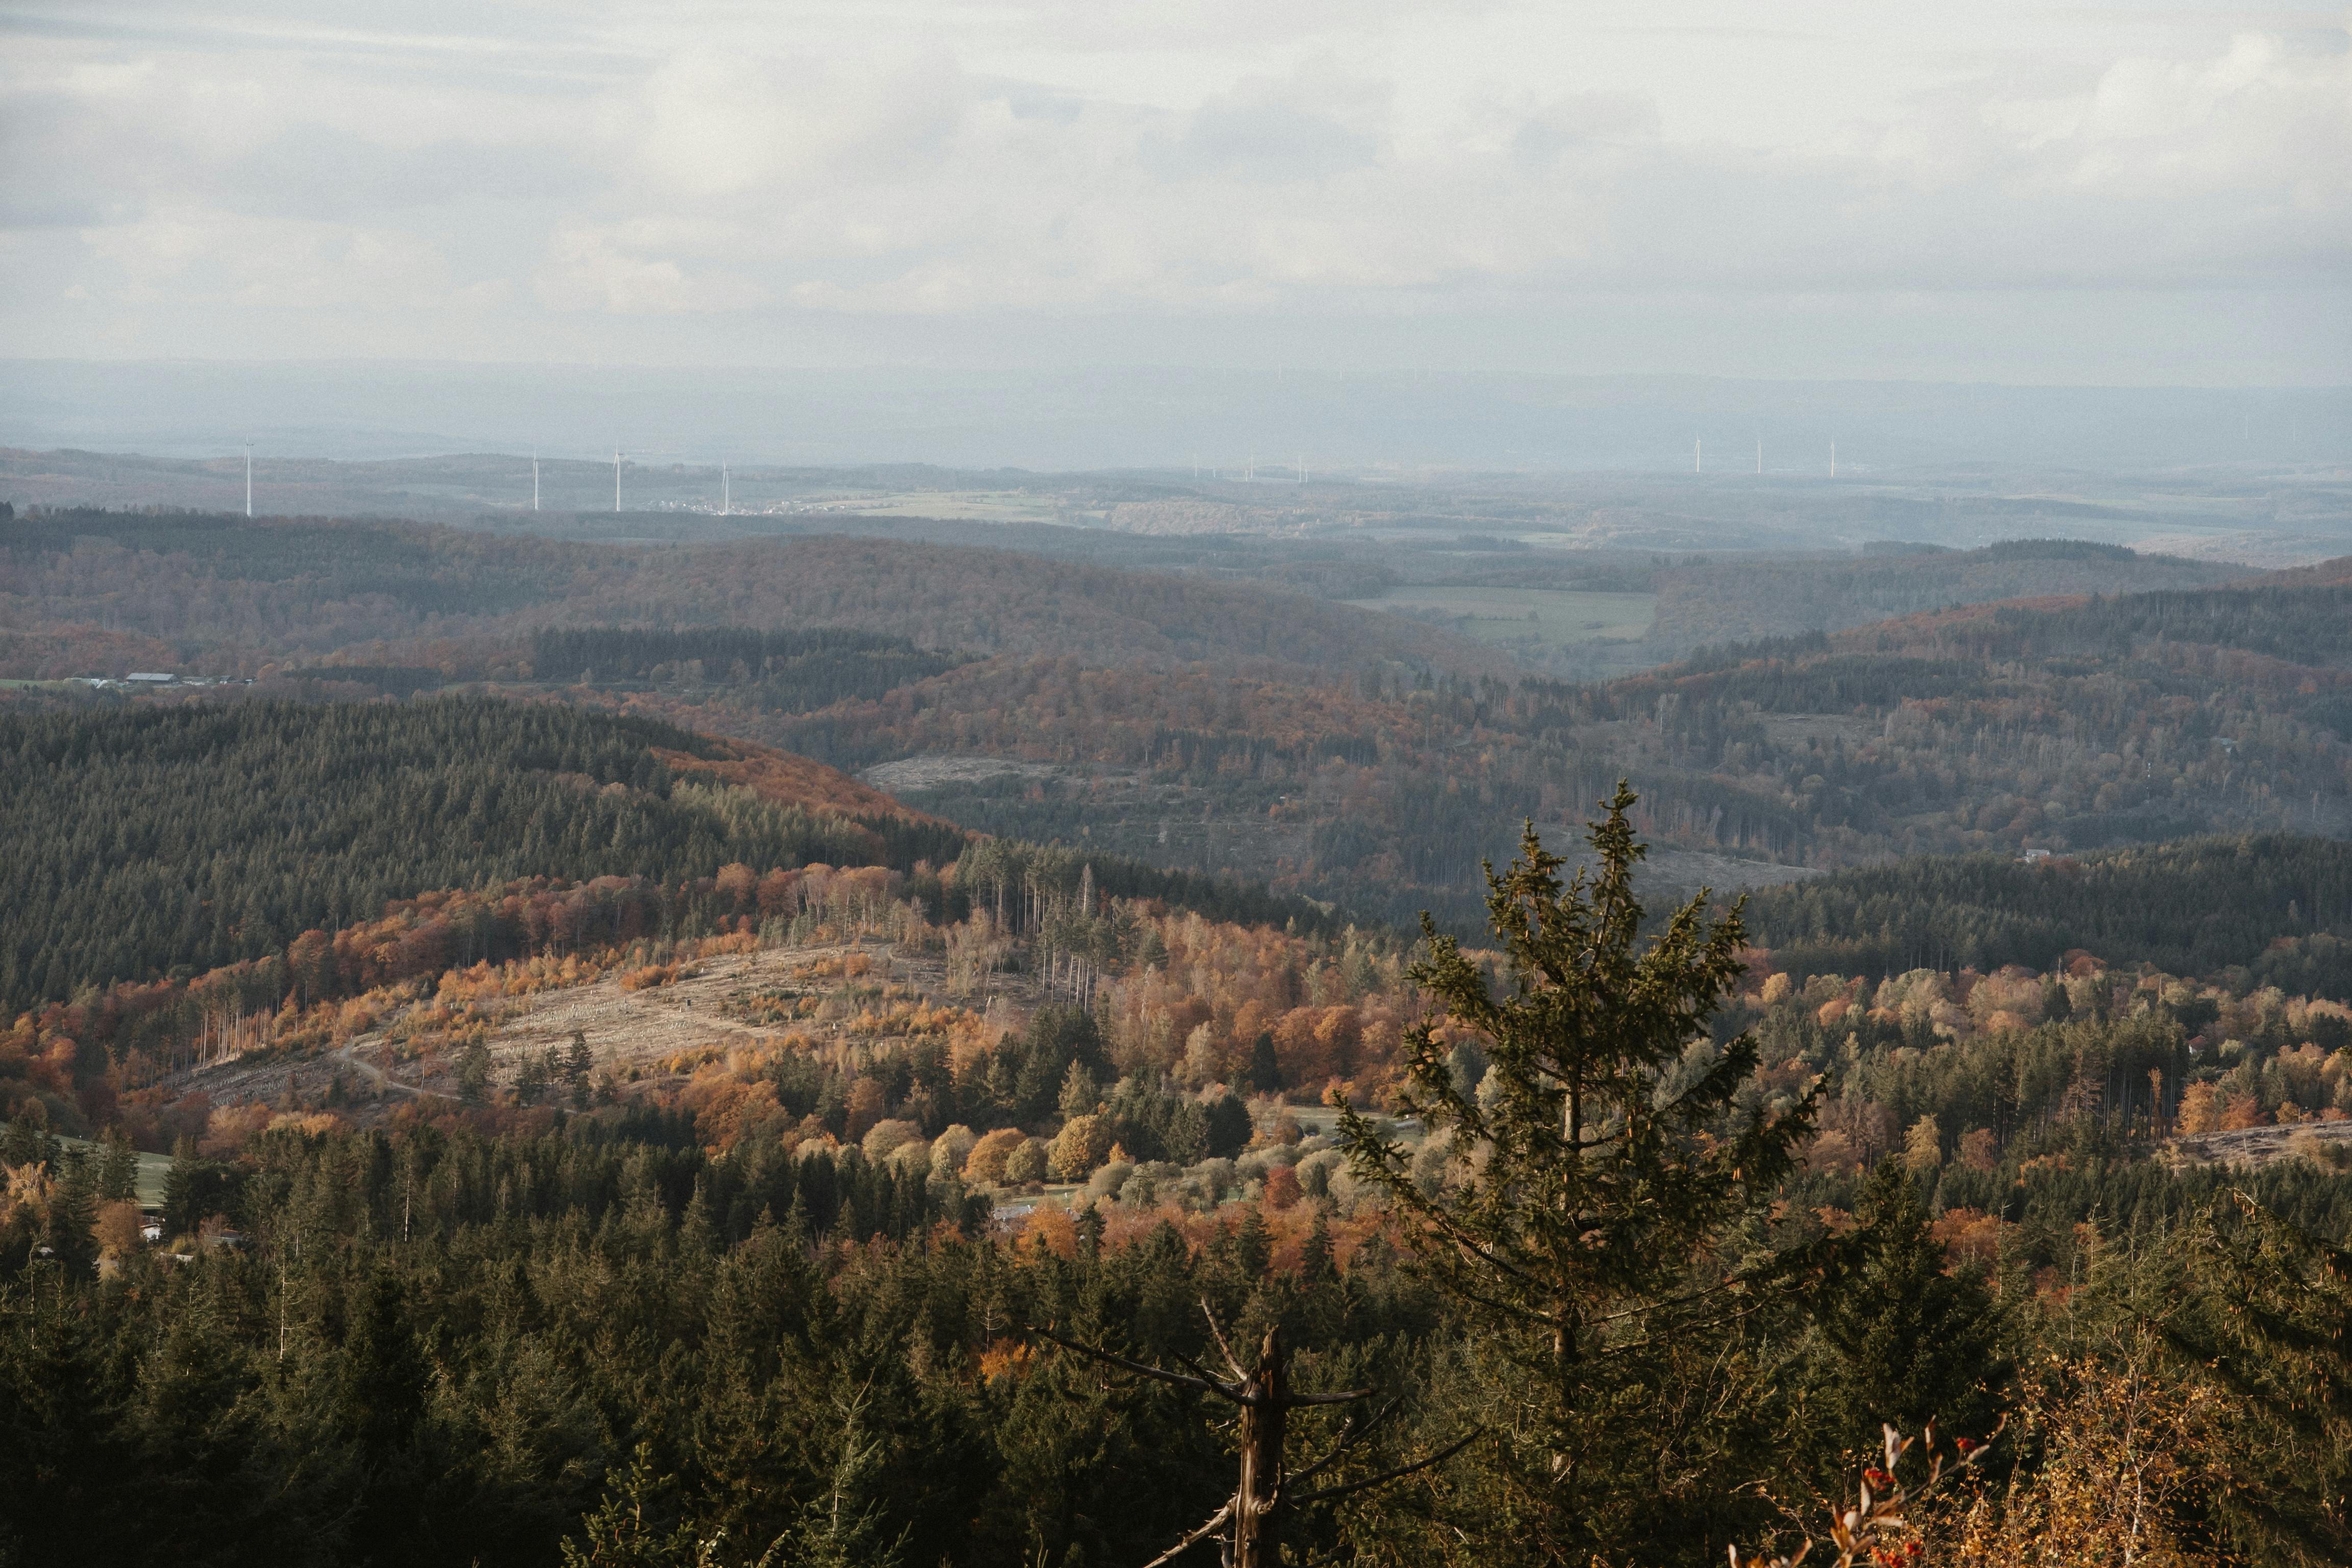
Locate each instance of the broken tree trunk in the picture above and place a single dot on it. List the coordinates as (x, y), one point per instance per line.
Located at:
(1264, 1415)
(1250, 1522)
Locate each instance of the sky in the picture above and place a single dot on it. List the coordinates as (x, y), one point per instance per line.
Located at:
(2106, 193)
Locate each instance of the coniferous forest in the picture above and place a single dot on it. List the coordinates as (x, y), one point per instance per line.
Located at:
(466, 1096)
(1629, 1246)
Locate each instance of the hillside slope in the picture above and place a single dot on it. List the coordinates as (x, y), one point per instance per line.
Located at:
(1720, 601)
(143, 841)
(2067, 725)
(2270, 902)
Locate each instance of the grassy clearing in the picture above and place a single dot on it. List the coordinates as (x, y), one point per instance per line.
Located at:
(963, 506)
(152, 1170)
(1544, 617)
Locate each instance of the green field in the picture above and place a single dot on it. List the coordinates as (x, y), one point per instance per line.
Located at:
(153, 1169)
(1545, 617)
(963, 506)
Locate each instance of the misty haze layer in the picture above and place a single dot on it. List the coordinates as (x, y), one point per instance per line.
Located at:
(1166, 420)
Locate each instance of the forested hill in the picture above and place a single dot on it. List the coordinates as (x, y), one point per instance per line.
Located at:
(2297, 616)
(228, 595)
(1713, 601)
(2274, 904)
(144, 840)
(161, 840)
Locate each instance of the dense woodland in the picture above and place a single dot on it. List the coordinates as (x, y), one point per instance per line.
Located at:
(1704, 601)
(167, 841)
(773, 1303)
(1636, 1228)
(1216, 727)
(777, 671)
(2263, 906)
(1947, 734)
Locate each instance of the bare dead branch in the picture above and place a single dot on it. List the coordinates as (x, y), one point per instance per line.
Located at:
(1439, 1458)
(1216, 1520)
(1349, 1436)
(1142, 1369)
(1233, 1363)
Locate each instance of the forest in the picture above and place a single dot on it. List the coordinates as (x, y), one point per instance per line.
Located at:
(163, 841)
(2252, 906)
(469, 1096)
(797, 1304)
(773, 671)
(1191, 720)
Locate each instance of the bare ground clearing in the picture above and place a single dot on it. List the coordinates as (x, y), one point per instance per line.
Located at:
(643, 1030)
(2259, 1146)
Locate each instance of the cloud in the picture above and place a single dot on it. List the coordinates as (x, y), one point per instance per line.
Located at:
(935, 162)
(589, 271)
(201, 257)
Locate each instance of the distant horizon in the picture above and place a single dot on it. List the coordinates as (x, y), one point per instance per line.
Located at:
(912, 366)
(1147, 418)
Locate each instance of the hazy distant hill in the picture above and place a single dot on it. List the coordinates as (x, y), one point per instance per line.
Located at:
(230, 594)
(1743, 600)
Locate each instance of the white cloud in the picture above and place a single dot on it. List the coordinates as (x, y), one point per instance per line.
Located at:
(589, 271)
(938, 159)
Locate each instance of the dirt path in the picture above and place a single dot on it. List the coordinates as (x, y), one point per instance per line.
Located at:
(349, 1054)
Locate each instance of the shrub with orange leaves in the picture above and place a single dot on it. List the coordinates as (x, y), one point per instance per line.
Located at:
(2119, 1445)
(1884, 1523)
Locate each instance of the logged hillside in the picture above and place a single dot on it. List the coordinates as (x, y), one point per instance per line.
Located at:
(140, 842)
(231, 595)
(164, 840)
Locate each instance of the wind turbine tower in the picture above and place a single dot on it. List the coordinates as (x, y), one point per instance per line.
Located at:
(1760, 453)
(534, 478)
(1697, 447)
(249, 478)
(726, 493)
(1834, 459)
(616, 481)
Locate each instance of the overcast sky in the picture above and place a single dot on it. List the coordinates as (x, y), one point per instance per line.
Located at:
(2116, 193)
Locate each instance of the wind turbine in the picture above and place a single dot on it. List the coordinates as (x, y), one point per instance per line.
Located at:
(1833, 458)
(249, 478)
(534, 478)
(1760, 453)
(1698, 447)
(726, 495)
(616, 481)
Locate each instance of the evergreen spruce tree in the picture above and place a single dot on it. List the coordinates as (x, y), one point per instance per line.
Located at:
(73, 1209)
(1906, 1341)
(579, 1061)
(1589, 1198)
